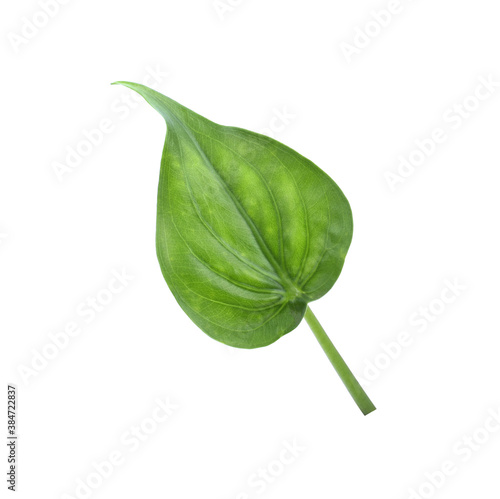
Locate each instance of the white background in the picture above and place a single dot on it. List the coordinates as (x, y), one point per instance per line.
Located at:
(61, 241)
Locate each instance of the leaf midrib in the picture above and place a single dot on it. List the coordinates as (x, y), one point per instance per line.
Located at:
(290, 286)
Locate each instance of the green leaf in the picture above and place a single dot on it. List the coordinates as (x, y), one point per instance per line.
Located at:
(248, 230)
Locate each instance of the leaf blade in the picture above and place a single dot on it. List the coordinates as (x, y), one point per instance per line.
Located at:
(248, 230)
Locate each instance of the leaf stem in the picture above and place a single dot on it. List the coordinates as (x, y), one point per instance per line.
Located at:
(350, 382)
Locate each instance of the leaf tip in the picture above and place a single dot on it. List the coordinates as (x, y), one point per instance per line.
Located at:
(124, 83)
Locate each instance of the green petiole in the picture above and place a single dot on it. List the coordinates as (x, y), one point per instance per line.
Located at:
(346, 375)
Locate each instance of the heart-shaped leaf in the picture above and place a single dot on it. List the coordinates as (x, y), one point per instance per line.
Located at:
(248, 230)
